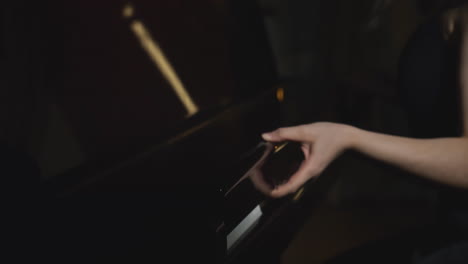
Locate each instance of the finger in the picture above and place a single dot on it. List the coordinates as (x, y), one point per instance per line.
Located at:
(307, 171)
(306, 148)
(291, 186)
(296, 133)
(256, 177)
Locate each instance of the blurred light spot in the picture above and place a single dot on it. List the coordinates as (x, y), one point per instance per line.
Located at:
(162, 63)
(280, 94)
(128, 11)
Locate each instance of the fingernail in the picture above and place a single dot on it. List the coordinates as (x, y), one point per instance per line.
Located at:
(266, 136)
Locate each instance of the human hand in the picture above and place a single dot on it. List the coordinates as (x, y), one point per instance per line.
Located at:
(321, 144)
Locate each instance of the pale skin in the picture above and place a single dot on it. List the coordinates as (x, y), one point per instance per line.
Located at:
(444, 160)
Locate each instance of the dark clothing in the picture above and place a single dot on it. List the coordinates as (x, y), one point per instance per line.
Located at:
(429, 88)
(429, 92)
(427, 82)
(454, 254)
(422, 247)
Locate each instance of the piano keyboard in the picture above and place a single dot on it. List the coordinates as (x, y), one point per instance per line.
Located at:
(244, 227)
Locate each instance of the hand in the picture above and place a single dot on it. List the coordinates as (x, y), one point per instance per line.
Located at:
(321, 144)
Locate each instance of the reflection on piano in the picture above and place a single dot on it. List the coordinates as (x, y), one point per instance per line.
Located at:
(152, 109)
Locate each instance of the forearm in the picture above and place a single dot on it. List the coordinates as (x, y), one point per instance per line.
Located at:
(444, 160)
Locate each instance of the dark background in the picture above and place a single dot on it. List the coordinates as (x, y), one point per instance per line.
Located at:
(337, 61)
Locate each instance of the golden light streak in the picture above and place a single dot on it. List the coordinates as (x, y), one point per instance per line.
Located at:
(280, 147)
(162, 63)
(298, 194)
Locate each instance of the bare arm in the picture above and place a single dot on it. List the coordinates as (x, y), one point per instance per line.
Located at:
(443, 160)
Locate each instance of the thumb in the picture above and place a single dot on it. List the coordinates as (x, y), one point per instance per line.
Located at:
(289, 187)
(296, 181)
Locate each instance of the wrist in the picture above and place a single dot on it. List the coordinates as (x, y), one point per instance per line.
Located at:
(352, 137)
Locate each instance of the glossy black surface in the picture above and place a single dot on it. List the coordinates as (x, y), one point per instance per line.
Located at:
(151, 181)
(282, 164)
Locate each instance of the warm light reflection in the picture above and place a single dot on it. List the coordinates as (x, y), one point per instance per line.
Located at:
(280, 94)
(128, 11)
(156, 54)
(280, 147)
(298, 194)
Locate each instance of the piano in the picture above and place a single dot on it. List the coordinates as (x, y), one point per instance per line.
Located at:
(152, 114)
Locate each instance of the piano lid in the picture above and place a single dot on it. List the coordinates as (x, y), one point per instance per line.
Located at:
(128, 74)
